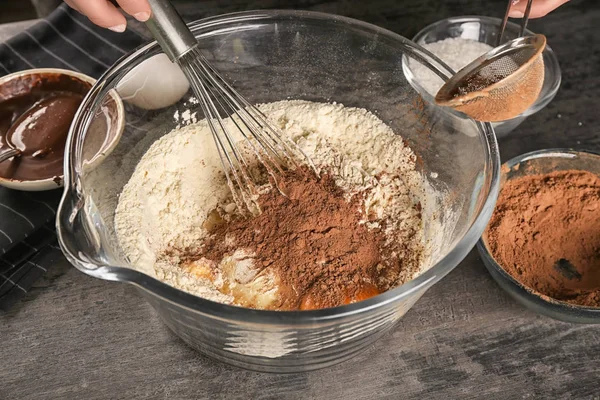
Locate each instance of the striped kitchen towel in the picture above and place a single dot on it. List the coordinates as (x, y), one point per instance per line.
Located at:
(67, 40)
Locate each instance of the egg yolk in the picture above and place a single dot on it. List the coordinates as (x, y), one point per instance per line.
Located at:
(366, 291)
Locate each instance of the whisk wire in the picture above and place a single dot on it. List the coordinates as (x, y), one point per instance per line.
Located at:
(286, 146)
(219, 100)
(229, 109)
(217, 90)
(230, 155)
(259, 150)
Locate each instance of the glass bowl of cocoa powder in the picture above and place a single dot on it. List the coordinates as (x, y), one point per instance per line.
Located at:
(542, 245)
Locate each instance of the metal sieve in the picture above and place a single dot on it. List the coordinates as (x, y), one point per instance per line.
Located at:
(500, 84)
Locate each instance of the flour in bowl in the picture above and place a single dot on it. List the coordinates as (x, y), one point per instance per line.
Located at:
(177, 198)
(456, 52)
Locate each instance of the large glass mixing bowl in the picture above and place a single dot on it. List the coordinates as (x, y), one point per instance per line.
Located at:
(270, 56)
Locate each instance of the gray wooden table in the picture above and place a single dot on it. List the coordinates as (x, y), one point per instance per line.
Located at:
(78, 337)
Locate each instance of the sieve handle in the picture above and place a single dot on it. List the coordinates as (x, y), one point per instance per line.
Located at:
(504, 21)
(525, 18)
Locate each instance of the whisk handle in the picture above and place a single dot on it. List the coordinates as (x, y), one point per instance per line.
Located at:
(169, 30)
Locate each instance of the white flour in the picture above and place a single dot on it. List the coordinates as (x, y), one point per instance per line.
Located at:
(456, 52)
(179, 181)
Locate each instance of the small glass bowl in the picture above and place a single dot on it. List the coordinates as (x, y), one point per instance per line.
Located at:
(485, 29)
(541, 162)
(108, 127)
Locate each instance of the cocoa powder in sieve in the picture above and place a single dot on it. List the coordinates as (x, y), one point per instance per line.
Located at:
(545, 232)
(314, 241)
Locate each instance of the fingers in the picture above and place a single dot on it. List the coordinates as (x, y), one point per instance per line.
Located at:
(539, 8)
(71, 4)
(105, 14)
(102, 13)
(139, 9)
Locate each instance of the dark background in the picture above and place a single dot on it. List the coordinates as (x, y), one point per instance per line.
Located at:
(18, 10)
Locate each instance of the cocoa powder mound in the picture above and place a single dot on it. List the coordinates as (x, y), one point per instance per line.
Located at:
(545, 232)
(313, 240)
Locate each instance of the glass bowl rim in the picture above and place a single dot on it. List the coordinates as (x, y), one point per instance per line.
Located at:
(231, 312)
(555, 305)
(542, 101)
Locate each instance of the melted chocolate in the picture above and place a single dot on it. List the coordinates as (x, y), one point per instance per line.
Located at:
(35, 115)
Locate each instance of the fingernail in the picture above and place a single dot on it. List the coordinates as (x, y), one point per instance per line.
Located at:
(118, 28)
(516, 14)
(142, 16)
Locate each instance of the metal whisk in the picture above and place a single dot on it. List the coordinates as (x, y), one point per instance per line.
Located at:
(249, 129)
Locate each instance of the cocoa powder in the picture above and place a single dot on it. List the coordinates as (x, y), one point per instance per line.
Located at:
(545, 232)
(314, 241)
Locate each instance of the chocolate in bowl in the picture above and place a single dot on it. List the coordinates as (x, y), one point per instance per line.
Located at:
(36, 111)
(35, 115)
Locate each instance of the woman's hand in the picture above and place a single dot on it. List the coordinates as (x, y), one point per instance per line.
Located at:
(105, 14)
(539, 8)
